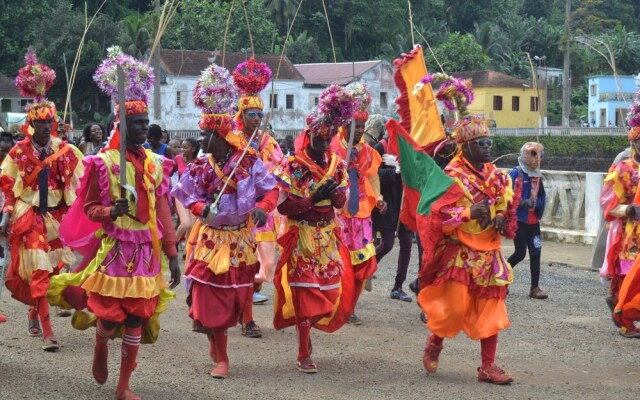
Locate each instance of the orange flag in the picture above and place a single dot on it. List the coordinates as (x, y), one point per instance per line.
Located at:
(417, 105)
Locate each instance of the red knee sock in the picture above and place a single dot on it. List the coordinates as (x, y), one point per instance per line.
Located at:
(220, 336)
(247, 313)
(488, 348)
(437, 340)
(43, 312)
(130, 346)
(359, 285)
(33, 313)
(304, 339)
(213, 353)
(100, 367)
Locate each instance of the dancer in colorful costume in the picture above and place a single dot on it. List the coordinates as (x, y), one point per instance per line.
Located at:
(121, 278)
(464, 276)
(230, 191)
(364, 194)
(39, 179)
(314, 280)
(251, 77)
(621, 202)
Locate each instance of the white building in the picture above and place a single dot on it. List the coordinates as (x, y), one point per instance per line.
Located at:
(11, 103)
(180, 72)
(378, 75)
(288, 100)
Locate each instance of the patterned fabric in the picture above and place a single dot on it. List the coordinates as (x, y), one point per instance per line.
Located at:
(620, 187)
(34, 240)
(470, 253)
(316, 249)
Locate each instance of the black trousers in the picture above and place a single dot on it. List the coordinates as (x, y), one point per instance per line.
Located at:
(528, 236)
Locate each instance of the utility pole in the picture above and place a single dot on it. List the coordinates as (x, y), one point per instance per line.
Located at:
(157, 115)
(566, 80)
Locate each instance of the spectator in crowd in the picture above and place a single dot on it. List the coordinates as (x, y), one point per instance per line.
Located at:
(155, 143)
(528, 178)
(93, 136)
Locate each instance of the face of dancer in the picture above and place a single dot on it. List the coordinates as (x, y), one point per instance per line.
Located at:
(533, 155)
(252, 119)
(319, 145)
(137, 129)
(42, 131)
(478, 150)
(358, 131)
(216, 145)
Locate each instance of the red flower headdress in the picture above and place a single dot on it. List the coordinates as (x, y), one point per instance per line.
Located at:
(34, 80)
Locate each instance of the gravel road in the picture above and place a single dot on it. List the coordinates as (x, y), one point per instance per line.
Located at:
(562, 348)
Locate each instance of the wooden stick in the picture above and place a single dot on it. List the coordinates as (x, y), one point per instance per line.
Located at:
(284, 49)
(76, 61)
(123, 131)
(246, 18)
(226, 31)
(333, 47)
(413, 39)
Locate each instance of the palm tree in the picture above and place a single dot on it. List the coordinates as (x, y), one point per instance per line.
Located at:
(282, 10)
(137, 36)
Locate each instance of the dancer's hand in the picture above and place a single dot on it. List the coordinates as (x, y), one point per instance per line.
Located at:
(120, 208)
(4, 223)
(479, 210)
(259, 217)
(325, 191)
(500, 223)
(174, 268)
(381, 205)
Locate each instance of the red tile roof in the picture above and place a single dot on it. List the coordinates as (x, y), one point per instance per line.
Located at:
(8, 89)
(192, 63)
(491, 79)
(338, 73)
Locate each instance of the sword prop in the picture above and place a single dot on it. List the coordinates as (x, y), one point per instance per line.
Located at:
(122, 125)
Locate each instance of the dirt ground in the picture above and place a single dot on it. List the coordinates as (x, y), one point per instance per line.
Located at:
(562, 348)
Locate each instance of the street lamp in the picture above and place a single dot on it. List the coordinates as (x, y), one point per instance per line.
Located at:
(542, 104)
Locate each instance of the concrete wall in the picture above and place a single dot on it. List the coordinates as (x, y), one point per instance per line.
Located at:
(573, 213)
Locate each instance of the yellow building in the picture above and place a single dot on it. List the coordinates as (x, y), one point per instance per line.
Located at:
(509, 102)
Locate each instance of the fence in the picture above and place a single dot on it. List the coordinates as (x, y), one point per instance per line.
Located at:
(559, 131)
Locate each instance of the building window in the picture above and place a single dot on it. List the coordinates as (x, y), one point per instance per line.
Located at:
(592, 90)
(497, 103)
(23, 102)
(181, 98)
(6, 105)
(289, 102)
(515, 103)
(383, 100)
(273, 101)
(534, 104)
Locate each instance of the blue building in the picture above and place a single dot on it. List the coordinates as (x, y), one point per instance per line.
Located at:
(608, 105)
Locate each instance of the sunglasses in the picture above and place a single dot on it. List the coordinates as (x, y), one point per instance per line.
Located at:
(253, 114)
(484, 142)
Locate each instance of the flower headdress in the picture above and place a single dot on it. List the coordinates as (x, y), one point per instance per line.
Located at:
(360, 91)
(139, 80)
(215, 94)
(139, 76)
(34, 80)
(250, 77)
(335, 109)
(633, 117)
(457, 94)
